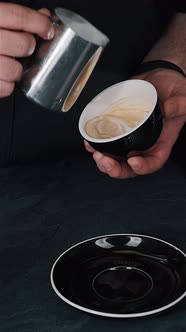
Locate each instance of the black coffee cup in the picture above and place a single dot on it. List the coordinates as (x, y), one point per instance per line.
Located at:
(138, 138)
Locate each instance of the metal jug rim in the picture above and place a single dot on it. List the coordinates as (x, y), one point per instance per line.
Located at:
(82, 27)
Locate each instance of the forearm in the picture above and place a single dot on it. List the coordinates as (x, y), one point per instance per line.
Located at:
(172, 45)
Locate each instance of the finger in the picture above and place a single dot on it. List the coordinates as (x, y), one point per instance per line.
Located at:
(44, 11)
(6, 88)
(112, 167)
(16, 44)
(88, 147)
(99, 164)
(155, 158)
(108, 165)
(20, 18)
(10, 69)
(175, 106)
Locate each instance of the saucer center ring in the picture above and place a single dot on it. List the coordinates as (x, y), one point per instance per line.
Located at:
(122, 284)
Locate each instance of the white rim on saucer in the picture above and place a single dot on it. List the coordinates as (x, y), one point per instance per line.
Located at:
(106, 314)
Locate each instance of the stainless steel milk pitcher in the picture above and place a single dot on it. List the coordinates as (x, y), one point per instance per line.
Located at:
(58, 70)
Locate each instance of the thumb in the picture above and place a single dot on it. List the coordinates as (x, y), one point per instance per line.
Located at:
(174, 106)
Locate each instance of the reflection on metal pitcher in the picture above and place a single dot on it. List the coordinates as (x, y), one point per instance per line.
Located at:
(56, 73)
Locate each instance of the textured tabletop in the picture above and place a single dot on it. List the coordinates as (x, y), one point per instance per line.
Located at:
(44, 209)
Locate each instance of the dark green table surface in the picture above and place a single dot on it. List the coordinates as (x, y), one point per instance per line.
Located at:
(44, 209)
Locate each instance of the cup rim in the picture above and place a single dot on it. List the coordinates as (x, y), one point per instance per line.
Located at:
(115, 138)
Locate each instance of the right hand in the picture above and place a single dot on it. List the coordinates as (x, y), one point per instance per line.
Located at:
(171, 89)
(18, 24)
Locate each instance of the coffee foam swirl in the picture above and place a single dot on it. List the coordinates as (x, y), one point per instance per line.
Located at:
(119, 118)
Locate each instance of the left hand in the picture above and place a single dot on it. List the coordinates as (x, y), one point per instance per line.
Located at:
(171, 89)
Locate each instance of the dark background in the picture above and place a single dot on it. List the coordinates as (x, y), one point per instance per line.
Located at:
(59, 198)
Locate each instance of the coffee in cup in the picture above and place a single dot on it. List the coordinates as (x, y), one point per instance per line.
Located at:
(122, 120)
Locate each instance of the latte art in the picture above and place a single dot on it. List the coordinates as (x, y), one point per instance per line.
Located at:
(123, 116)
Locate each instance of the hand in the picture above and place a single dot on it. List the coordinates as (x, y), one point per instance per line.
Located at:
(171, 88)
(17, 26)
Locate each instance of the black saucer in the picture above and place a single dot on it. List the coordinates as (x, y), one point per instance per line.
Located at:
(121, 275)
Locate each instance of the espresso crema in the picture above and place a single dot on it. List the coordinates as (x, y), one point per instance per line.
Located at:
(120, 118)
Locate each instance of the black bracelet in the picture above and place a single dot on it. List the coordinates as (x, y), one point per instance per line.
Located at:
(155, 64)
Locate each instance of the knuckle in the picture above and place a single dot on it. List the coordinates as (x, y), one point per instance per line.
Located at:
(24, 45)
(4, 68)
(3, 41)
(6, 89)
(10, 88)
(20, 15)
(1, 35)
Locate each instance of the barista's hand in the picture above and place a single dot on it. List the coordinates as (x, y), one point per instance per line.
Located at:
(171, 88)
(18, 25)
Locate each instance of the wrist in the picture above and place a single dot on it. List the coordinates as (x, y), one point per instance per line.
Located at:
(164, 80)
(160, 73)
(178, 61)
(156, 65)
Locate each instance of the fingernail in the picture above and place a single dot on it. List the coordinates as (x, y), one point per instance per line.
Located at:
(51, 32)
(31, 50)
